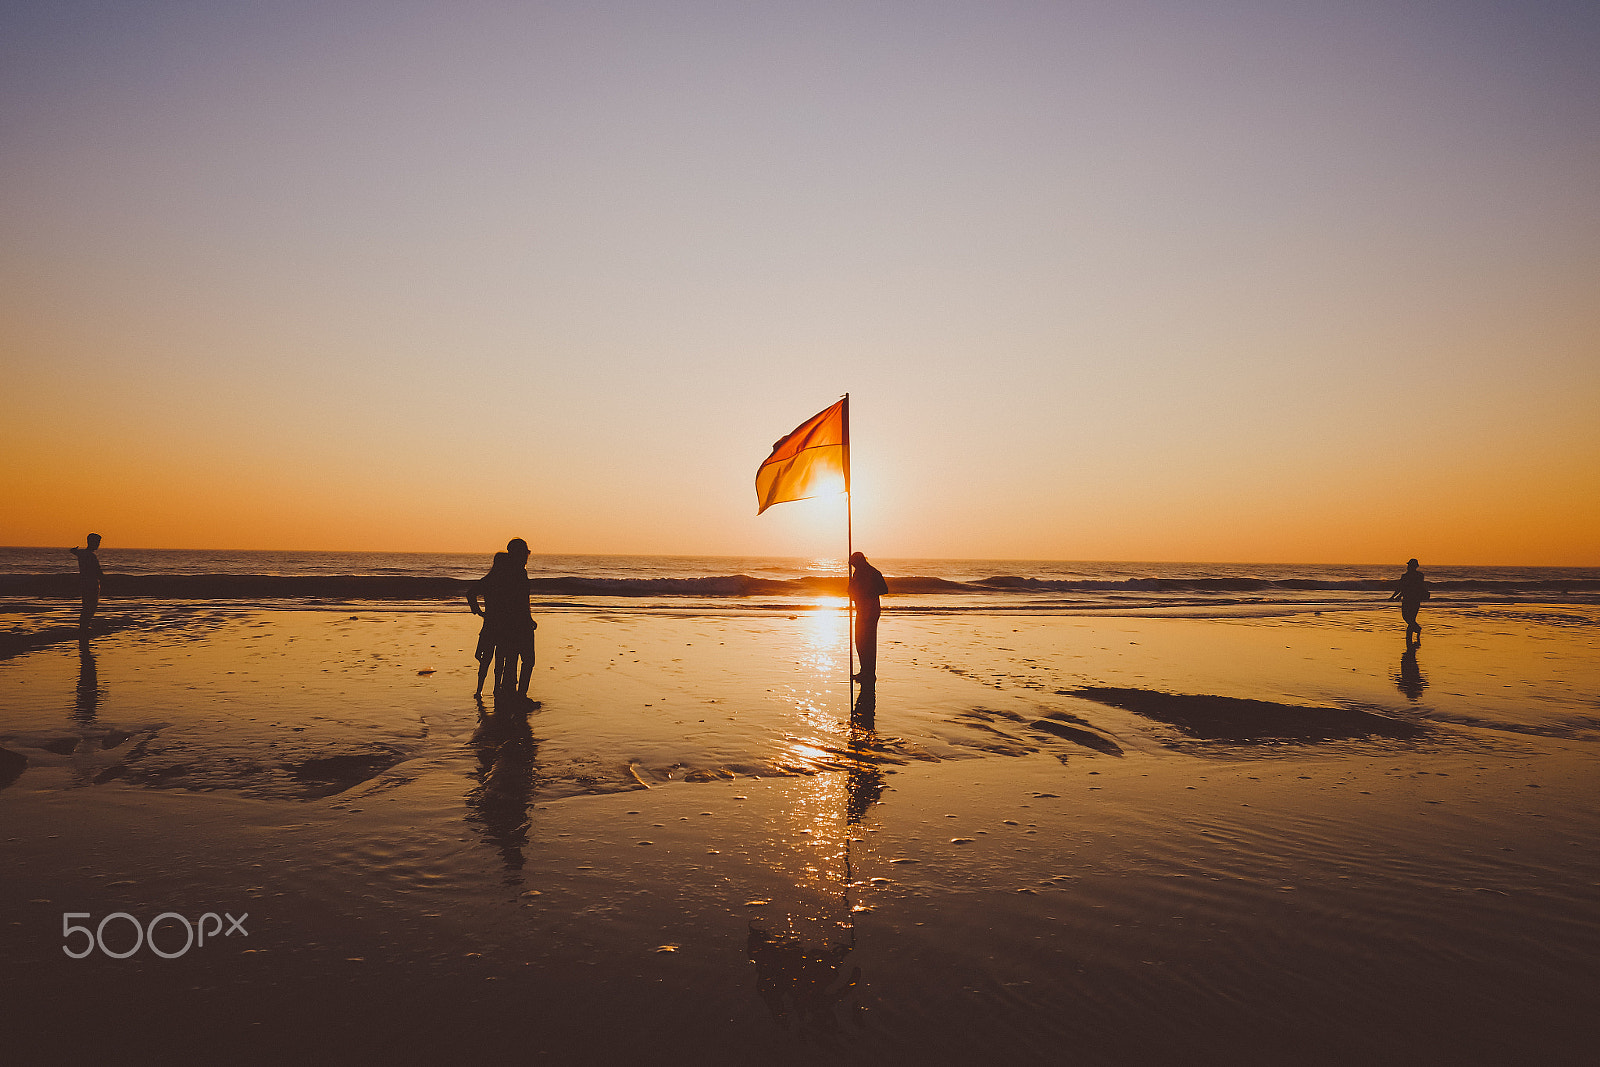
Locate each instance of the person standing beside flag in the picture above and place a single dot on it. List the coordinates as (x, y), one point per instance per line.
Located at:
(813, 460)
(866, 586)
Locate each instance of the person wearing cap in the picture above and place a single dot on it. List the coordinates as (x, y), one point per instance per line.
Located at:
(866, 586)
(1411, 590)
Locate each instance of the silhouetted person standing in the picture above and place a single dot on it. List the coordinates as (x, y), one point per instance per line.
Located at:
(1411, 590)
(484, 653)
(89, 576)
(508, 617)
(866, 586)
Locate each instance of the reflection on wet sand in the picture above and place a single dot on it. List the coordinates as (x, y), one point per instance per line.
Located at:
(800, 964)
(507, 757)
(1410, 680)
(864, 712)
(799, 983)
(86, 706)
(1114, 908)
(864, 779)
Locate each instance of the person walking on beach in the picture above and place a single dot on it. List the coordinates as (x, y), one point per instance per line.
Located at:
(1411, 590)
(866, 586)
(507, 619)
(89, 575)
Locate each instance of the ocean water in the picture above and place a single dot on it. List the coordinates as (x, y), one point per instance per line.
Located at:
(778, 583)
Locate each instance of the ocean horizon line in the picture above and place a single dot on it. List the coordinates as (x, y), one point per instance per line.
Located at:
(488, 553)
(263, 574)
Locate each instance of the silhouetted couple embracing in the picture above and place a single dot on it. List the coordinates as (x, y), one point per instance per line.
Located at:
(506, 639)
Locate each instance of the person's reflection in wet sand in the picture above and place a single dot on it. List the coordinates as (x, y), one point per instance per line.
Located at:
(86, 705)
(1410, 680)
(864, 780)
(507, 756)
(864, 713)
(796, 982)
(802, 983)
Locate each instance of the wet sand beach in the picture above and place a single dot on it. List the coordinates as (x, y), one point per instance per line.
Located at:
(1063, 838)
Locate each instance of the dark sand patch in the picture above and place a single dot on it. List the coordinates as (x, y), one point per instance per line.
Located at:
(1217, 718)
(334, 774)
(1062, 725)
(12, 764)
(183, 767)
(16, 642)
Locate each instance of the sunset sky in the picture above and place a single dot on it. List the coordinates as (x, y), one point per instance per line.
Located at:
(1256, 281)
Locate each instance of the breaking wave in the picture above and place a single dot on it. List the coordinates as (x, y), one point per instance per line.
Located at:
(997, 587)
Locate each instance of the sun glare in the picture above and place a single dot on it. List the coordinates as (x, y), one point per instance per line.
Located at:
(824, 638)
(829, 483)
(820, 522)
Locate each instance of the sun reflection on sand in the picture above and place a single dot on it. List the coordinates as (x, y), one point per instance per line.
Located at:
(819, 816)
(802, 953)
(822, 639)
(818, 723)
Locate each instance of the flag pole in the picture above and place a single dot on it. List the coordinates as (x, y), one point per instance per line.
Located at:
(849, 550)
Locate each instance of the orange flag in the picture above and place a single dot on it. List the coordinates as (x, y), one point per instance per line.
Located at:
(813, 460)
